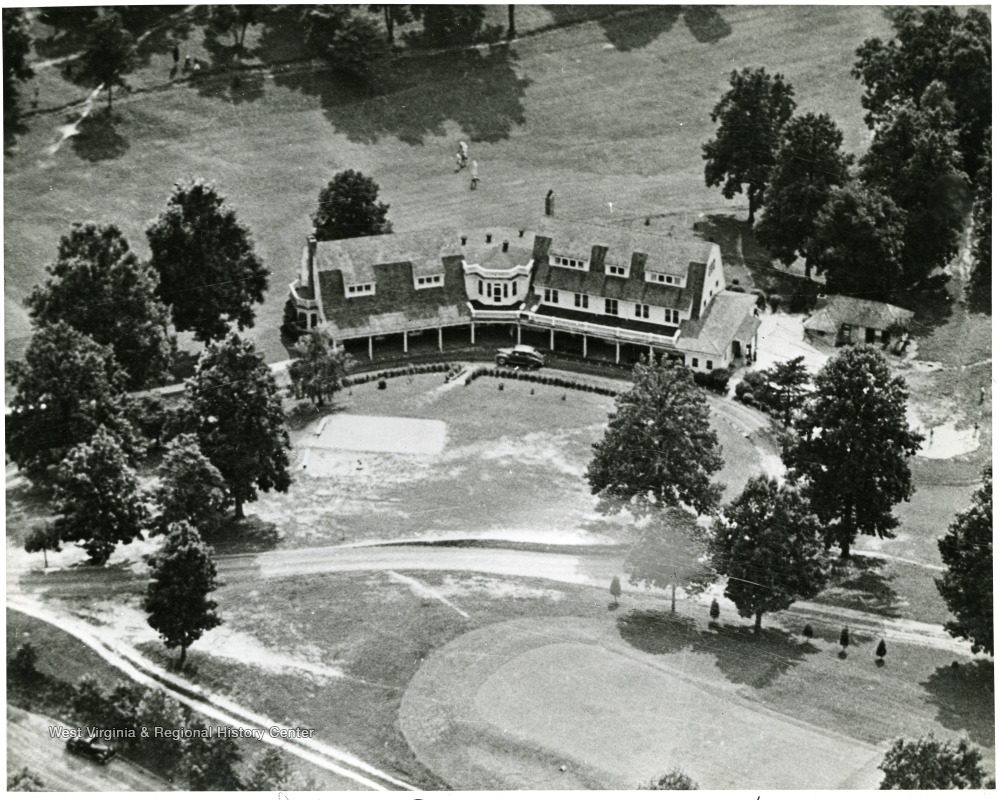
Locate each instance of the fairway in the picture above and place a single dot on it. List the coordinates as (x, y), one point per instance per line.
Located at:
(505, 707)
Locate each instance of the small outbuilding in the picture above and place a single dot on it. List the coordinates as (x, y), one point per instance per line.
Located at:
(850, 320)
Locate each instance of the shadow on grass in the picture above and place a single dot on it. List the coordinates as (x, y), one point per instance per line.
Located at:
(68, 31)
(634, 27)
(863, 584)
(964, 697)
(250, 535)
(632, 31)
(931, 304)
(99, 138)
(743, 657)
(85, 581)
(706, 24)
(416, 96)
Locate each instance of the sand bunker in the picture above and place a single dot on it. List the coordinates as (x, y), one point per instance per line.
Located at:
(380, 435)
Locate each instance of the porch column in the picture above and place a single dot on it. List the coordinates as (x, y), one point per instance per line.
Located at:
(472, 332)
(618, 352)
(519, 333)
(371, 355)
(651, 355)
(440, 339)
(552, 338)
(584, 345)
(405, 343)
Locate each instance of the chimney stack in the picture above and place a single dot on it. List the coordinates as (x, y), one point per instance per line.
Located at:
(489, 238)
(506, 245)
(464, 240)
(550, 203)
(520, 233)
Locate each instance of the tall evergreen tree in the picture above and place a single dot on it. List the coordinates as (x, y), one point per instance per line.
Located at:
(65, 388)
(853, 447)
(808, 163)
(857, 243)
(98, 499)
(915, 160)
(110, 54)
(240, 423)
(349, 207)
(209, 272)
(750, 116)
(99, 287)
(181, 578)
(658, 450)
(769, 546)
(787, 382)
(967, 584)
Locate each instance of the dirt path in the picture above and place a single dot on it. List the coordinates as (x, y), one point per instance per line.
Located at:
(30, 745)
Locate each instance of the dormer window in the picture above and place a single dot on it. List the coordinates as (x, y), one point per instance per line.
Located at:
(430, 280)
(359, 289)
(620, 272)
(572, 263)
(659, 277)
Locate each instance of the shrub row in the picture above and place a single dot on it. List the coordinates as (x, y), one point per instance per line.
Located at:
(412, 369)
(715, 381)
(533, 377)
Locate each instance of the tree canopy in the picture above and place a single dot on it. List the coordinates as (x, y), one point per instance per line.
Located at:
(981, 279)
(321, 368)
(927, 763)
(915, 160)
(65, 388)
(853, 447)
(348, 207)
(751, 115)
(191, 489)
(181, 578)
(110, 53)
(236, 407)
(967, 583)
(659, 450)
(808, 163)
(671, 781)
(936, 43)
(43, 539)
(98, 286)
(444, 25)
(788, 382)
(769, 546)
(235, 20)
(357, 49)
(392, 15)
(97, 497)
(857, 243)
(16, 70)
(210, 275)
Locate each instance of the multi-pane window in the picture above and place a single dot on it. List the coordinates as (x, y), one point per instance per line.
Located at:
(642, 310)
(659, 277)
(360, 288)
(581, 300)
(672, 316)
(620, 271)
(480, 287)
(694, 362)
(611, 307)
(551, 296)
(573, 263)
(430, 280)
(708, 365)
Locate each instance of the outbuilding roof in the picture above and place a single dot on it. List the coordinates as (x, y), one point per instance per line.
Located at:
(841, 310)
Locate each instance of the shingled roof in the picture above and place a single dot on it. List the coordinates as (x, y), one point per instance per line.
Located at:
(841, 310)
(730, 316)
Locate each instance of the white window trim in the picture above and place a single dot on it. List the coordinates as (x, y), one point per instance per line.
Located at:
(360, 289)
(610, 304)
(616, 271)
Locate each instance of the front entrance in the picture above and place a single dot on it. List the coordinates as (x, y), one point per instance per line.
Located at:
(869, 336)
(737, 350)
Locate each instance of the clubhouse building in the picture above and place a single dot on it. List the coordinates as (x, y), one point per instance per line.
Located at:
(588, 289)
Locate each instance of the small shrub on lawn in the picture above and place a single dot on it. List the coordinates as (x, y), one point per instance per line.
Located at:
(23, 666)
(382, 384)
(880, 651)
(807, 631)
(845, 640)
(500, 386)
(714, 611)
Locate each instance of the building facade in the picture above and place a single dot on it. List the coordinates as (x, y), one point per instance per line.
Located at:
(599, 291)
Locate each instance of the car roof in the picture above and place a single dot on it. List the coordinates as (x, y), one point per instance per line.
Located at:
(524, 348)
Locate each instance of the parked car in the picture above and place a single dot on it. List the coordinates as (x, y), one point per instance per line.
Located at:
(91, 747)
(522, 355)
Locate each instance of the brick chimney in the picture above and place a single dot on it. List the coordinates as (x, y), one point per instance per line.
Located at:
(506, 245)
(489, 238)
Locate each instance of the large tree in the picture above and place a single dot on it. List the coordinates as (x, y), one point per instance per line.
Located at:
(853, 447)
(358, 49)
(99, 287)
(236, 407)
(659, 450)
(181, 578)
(787, 382)
(444, 25)
(16, 70)
(349, 206)
(98, 498)
(209, 272)
(110, 53)
(857, 243)
(769, 546)
(967, 584)
(929, 764)
(211, 764)
(392, 15)
(235, 20)
(750, 116)
(191, 489)
(915, 160)
(937, 43)
(321, 368)
(65, 388)
(809, 163)
(981, 277)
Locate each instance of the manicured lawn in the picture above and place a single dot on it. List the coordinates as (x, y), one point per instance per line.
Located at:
(560, 110)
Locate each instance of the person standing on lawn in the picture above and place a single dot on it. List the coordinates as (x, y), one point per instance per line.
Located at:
(475, 175)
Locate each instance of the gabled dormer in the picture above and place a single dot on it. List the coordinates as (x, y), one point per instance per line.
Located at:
(569, 262)
(615, 270)
(359, 289)
(665, 279)
(428, 281)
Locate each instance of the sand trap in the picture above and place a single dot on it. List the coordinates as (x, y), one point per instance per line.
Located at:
(381, 434)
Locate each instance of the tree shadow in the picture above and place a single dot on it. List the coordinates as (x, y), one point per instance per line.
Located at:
(862, 584)
(632, 31)
(979, 290)
(416, 96)
(281, 36)
(706, 24)
(69, 27)
(98, 138)
(233, 86)
(964, 697)
(931, 304)
(249, 535)
(743, 657)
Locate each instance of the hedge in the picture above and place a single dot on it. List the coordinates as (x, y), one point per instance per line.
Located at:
(532, 377)
(412, 369)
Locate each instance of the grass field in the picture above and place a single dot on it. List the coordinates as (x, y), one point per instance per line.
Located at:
(605, 111)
